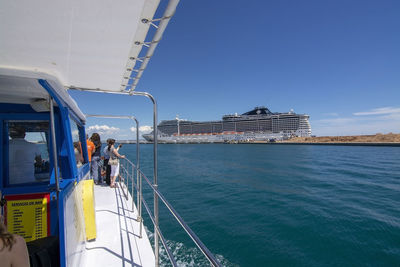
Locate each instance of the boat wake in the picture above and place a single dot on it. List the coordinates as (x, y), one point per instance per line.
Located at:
(185, 256)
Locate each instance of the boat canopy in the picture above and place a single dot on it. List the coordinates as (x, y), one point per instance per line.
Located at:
(30, 87)
(87, 45)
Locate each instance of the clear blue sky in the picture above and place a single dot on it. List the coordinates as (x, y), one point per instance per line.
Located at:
(336, 60)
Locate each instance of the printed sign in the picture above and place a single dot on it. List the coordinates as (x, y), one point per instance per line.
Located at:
(28, 215)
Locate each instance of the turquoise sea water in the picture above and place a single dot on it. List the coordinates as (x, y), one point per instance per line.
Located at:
(280, 205)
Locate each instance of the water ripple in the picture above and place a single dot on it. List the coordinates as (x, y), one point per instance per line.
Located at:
(260, 205)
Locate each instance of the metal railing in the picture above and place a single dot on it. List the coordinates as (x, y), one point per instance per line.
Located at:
(130, 177)
(127, 177)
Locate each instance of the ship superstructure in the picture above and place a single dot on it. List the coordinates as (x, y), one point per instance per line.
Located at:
(258, 124)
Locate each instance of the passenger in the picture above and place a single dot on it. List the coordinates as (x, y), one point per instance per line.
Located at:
(105, 165)
(90, 149)
(113, 161)
(23, 157)
(95, 168)
(78, 154)
(13, 250)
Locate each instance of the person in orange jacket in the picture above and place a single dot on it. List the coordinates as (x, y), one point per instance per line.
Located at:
(91, 149)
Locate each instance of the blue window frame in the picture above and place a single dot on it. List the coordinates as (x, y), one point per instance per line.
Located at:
(79, 144)
(27, 158)
(28, 151)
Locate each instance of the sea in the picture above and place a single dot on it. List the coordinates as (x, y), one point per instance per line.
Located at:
(278, 205)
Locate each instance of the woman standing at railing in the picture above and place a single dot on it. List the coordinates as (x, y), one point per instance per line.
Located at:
(114, 160)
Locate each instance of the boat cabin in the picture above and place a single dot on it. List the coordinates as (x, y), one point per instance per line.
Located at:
(40, 167)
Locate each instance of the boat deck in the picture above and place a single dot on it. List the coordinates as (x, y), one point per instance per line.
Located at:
(117, 242)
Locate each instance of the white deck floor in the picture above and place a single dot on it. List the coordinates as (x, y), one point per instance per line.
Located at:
(117, 242)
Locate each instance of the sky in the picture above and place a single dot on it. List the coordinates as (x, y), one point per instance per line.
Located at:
(335, 60)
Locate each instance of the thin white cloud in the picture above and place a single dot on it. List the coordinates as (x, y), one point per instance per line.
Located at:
(379, 111)
(378, 120)
(331, 114)
(336, 121)
(145, 129)
(103, 129)
(357, 125)
(142, 129)
(393, 116)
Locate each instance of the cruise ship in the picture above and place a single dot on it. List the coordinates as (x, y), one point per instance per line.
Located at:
(258, 124)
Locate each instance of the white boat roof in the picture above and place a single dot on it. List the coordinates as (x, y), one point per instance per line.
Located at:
(23, 87)
(90, 45)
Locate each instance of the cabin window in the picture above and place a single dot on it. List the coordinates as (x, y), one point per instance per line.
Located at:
(79, 160)
(28, 151)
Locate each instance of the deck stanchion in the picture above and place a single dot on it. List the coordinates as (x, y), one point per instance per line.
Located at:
(54, 144)
(138, 190)
(155, 142)
(137, 160)
(126, 181)
(140, 205)
(132, 186)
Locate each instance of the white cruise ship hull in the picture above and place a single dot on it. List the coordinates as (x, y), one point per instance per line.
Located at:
(224, 137)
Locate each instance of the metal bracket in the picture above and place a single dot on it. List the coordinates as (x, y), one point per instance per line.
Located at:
(146, 21)
(147, 44)
(141, 59)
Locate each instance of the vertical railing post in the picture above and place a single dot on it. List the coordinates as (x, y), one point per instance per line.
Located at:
(155, 142)
(118, 178)
(140, 205)
(138, 190)
(53, 141)
(127, 180)
(124, 182)
(132, 186)
(137, 164)
(139, 181)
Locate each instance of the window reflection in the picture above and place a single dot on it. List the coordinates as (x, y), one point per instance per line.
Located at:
(28, 155)
(77, 143)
